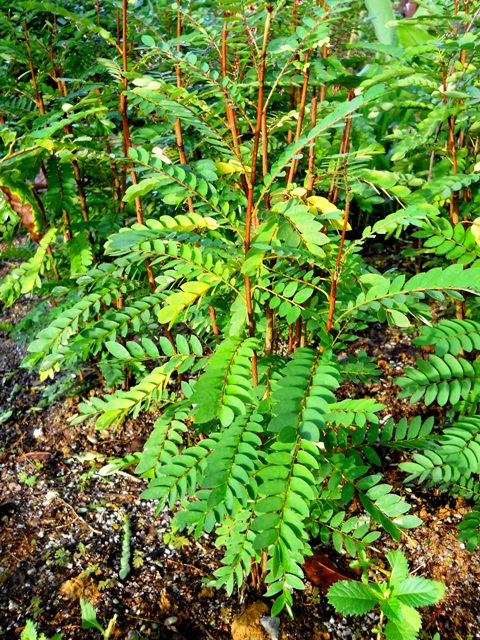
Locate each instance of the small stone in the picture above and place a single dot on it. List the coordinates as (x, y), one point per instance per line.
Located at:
(271, 626)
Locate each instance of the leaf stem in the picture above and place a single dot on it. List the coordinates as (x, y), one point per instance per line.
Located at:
(380, 626)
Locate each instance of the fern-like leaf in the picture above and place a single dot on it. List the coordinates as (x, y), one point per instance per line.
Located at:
(26, 277)
(164, 442)
(112, 409)
(444, 379)
(451, 336)
(225, 387)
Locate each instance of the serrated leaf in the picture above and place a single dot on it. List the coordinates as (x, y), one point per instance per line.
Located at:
(29, 632)
(399, 565)
(419, 592)
(351, 598)
(404, 622)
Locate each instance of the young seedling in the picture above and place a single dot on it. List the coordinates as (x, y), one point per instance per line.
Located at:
(89, 620)
(398, 598)
(30, 633)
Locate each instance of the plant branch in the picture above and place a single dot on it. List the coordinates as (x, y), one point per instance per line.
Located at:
(36, 90)
(301, 113)
(250, 213)
(336, 271)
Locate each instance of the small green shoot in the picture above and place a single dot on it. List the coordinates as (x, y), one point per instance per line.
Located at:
(398, 599)
(89, 620)
(126, 552)
(5, 415)
(30, 633)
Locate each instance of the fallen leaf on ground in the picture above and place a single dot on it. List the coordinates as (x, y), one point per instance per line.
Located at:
(322, 571)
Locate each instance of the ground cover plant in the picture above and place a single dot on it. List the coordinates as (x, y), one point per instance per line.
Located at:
(204, 188)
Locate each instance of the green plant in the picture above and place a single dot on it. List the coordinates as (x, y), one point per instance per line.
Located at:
(29, 480)
(62, 557)
(30, 632)
(398, 597)
(5, 415)
(126, 550)
(89, 620)
(176, 541)
(212, 261)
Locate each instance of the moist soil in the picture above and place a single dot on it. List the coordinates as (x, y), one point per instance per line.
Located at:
(62, 522)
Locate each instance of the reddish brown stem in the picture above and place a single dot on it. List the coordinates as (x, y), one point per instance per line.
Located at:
(333, 288)
(323, 88)
(213, 320)
(311, 152)
(36, 90)
(41, 108)
(97, 7)
(126, 140)
(343, 151)
(265, 157)
(178, 123)
(301, 113)
(454, 203)
(52, 261)
(67, 234)
(292, 107)
(270, 329)
(69, 131)
(230, 112)
(298, 332)
(183, 160)
(269, 313)
(452, 149)
(290, 339)
(251, 184)
(348, 130)
(257, 133)
(178, 71)
(80, 189)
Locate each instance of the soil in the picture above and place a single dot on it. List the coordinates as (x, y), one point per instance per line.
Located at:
(62, 523)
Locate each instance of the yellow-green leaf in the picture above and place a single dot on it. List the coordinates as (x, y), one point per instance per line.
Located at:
(318, 203)
(233, 166)
(476, 230)
(195, 286)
